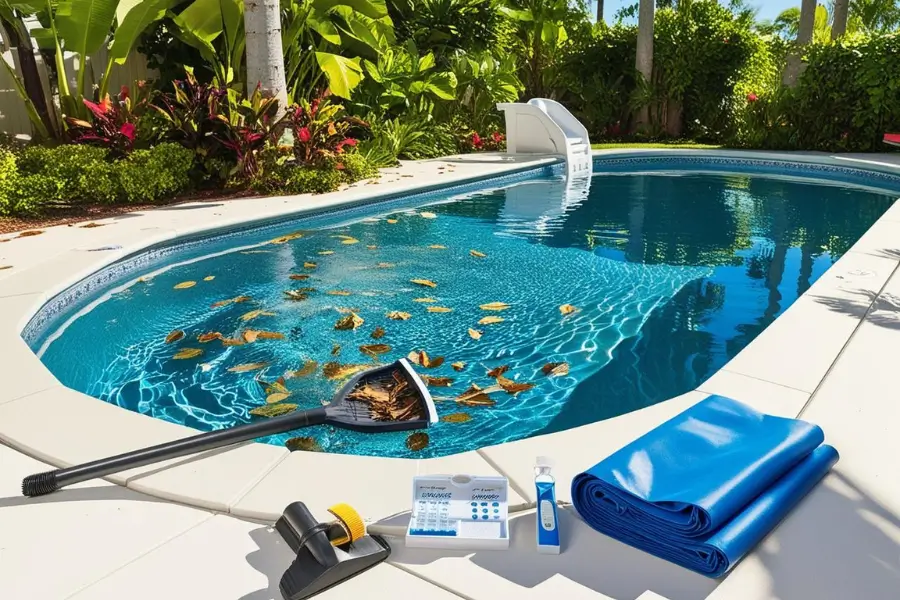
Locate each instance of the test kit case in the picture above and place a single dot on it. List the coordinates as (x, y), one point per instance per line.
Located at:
(459, 511)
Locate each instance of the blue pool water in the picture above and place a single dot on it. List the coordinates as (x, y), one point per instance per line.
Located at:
(672, 275)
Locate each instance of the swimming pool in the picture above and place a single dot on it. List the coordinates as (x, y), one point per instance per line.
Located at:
(643, 281)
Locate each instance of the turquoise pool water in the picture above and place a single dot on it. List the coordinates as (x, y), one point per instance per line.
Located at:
(671, 274)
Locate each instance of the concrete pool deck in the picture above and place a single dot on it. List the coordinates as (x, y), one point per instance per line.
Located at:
(196, 527)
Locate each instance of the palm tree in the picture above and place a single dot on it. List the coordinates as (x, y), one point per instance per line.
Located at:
(804, 36)
(599, 11)
(265, 58)
(839, 22)
(643, 61)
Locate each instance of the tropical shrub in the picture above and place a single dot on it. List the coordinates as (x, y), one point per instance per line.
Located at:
(151, 175)
(483, 79)
(321, 131)
(114, 123)
(442, 26)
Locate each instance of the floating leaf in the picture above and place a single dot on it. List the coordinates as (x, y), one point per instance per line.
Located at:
(421, 358)
(185, 285)
(424, 282)
(333, 370)
(338, 293)
(428, 215)
(555, 369)
(237, 300)
(274, 388)
(174, 336)
(303, 444)
(424, 300)
(350, 240)
(298, 276)
(335, 349)
(351, 321)
(475, 396)
(251, 335)
(494, 306)
(375, 349)
(208, 337)
(378, 333)
(209, 278)
(437, 381)
(417, 441)
(512, 387)
(475, 334)
(391, 221)
(438, 309)
(568, 309)
(490, 320)
(277, 397)
(326, 252)
(309, 265)
(256, 313)
(186, 353)
(232, 342)
(437, 247)
(456, 418)
(385, 265)
(398, 315)
(247, 367)
(458, 366)
(31, 233)
(372, 247)
(477, 254)
(286, 238)
(296, 295)
(308, 368)
(498, 371)
(273, 410)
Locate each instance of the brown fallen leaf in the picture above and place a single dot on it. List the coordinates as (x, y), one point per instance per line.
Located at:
(185, 285)
(438, 309)
(298, 276)
(277, 387)
(398, 315)
(490, 320)
(309, 265)
(174, 336)
(494, 306)
(378, 333)
(437, 247)
(4, 267)
(475, 334)
(417, 441)
(459, 417)
(277, 397)
(209, 278)
(385, 265)
(335, 349)
(375, 349)
(568, 309)
(286, 238)
(338, 293)
(351, 321)
(424, 282)
(308, 368)
(476, 399)
(424, 300)
(273, 410)
(458, 366)
(437, 381)
(421, 358)
(251, 335)
(236, 300)
(371, 247)
(247, 367)
(428, 215)
(253, 314)
(391, 221)
(325, 252)
(512, 387)
(303, 444)
(30, 233)
(477, 254)
(296, 295)
(498, 371)
(232, 341)
(208, 337)
(91, 225)
(186, 353)
(555, 369)
(333, 370)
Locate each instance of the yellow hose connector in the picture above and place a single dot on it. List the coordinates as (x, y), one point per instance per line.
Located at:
(351, 521)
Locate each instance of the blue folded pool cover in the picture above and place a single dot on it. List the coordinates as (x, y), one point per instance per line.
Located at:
(702, 489)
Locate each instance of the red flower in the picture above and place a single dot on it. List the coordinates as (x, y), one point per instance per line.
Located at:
(123, 93)
(476, 140)
(751, 97)
(350, 141)
(497, 137)
(127, 129)
(303, 134)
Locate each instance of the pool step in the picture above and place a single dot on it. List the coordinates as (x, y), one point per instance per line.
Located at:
(544, 126)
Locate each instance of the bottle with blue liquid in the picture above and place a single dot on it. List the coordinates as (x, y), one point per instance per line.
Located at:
(547, 521)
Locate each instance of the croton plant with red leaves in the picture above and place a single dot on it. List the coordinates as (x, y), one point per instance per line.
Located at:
(114, 121)
(322, 131)
(474, 142)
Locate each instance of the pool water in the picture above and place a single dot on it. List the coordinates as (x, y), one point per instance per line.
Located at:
(643, 284)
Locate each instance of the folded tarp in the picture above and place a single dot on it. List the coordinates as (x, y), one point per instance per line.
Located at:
(702, 489)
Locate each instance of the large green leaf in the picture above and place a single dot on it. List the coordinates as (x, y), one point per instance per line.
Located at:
(343, 73)
(202, 20)
(371, 8)
(232, 12)
(326, 29)
(85, 24)
(133, 24)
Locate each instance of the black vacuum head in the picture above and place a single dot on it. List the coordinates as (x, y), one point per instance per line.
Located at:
(388, 398)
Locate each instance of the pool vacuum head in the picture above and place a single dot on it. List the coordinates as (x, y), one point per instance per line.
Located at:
(327, 553)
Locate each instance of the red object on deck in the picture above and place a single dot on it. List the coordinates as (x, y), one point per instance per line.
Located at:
(892, 138)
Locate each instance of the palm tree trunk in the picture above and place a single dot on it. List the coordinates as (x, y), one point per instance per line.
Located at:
(31, 79)
(265, 58)
(599, 11)
(839, 24)
(794, 65)
(644, 56)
